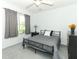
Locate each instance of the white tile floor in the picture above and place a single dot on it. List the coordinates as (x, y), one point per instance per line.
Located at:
(17, 52)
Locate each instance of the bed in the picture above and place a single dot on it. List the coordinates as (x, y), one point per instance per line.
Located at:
(47, 44)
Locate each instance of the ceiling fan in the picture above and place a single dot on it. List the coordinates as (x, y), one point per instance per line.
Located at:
(37, 3)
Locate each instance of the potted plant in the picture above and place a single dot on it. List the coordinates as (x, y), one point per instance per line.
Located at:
(72, 27)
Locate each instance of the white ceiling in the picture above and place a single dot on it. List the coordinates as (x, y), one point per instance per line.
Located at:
(24, 3)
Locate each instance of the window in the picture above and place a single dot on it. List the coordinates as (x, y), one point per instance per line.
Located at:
(21, 23)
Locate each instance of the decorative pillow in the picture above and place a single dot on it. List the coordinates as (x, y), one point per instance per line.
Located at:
(51, 33)
(55, 34)
(47, 33)
(42, 32)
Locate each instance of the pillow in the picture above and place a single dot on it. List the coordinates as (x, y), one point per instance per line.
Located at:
(47, 33)
(42, 32)
(55, 34)
(51, 33)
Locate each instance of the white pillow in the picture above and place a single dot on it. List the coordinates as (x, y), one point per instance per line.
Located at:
(47, 33)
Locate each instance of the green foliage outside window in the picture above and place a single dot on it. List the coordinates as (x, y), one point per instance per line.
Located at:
(22, 28)
(21, 24)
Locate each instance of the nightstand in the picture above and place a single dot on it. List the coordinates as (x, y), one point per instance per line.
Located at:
(34, 33)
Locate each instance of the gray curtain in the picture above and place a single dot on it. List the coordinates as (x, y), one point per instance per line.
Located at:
(27, 24)
(11, 29)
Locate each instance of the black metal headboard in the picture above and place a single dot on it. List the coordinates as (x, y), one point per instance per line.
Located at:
(58, 33)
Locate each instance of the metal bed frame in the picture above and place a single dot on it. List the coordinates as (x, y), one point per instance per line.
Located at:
(40, 46)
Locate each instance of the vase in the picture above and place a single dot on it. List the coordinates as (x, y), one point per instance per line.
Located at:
(72, 31)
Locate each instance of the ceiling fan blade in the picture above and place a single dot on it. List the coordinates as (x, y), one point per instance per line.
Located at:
(29, 6)
(47, 4)
(37, 6)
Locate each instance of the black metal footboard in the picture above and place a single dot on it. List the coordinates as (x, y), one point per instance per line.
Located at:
(38, 46)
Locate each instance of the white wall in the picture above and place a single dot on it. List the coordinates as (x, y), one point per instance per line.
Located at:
(0, 31)
(55, 19)
(11, 41)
